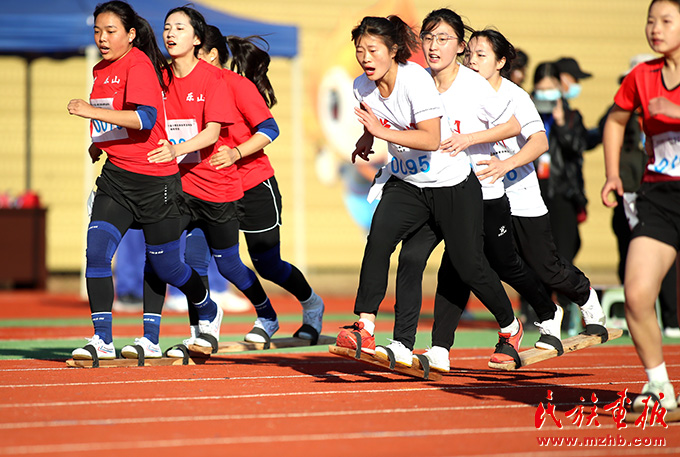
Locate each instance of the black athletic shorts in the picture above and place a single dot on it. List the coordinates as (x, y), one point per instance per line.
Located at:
(211, 212)
(261, 207)
(150, 199)
(658, 210)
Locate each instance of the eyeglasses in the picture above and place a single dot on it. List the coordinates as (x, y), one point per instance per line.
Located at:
(441, 38)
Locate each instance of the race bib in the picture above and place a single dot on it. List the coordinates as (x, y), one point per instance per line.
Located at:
(666, 154)
(181, 130)
(101, 131)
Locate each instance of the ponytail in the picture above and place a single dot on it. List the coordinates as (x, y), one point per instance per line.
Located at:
(146, 42)
(393, 32)
(251, 61)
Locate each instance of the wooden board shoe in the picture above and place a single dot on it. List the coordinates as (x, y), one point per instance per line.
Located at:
(574, 343)
(163, 361)
(415, 370)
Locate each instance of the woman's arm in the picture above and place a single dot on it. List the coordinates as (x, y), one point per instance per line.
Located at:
(536, 145)
(426, 136)
(226, 156)
(168, 151)
(612, 141)
(459, 142)
(123, 118)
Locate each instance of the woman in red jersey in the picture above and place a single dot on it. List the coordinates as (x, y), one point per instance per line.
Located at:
(127, 114)
(254, 128)
(199, 106)
(653, 87)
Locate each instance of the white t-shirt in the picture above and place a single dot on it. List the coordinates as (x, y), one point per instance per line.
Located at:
(472, 105)
(414, 99)
(521, 184)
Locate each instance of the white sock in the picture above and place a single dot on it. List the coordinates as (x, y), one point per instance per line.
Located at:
(512, 329)
(368, 325)
(657, 374)
(307, 302)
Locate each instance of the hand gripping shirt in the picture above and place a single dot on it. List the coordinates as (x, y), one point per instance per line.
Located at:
(472, 105)
(193, 101)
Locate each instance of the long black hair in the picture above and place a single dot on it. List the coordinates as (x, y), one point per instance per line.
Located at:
(145, 39)
(501, 48)
(393, 32)
(247, 59)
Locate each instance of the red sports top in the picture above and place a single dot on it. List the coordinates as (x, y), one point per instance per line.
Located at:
(251, 111)
(193, 101)
(641, 85)
(121, 85)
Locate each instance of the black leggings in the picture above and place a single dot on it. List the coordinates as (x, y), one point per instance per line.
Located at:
(100, 289)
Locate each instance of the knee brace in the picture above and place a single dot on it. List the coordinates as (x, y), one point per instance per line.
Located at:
(232, 268)
(270, 266)
(165, 261)
(102, 241)
(197, 253)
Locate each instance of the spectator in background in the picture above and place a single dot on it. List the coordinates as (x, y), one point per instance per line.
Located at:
(570, 75)
(518, 70)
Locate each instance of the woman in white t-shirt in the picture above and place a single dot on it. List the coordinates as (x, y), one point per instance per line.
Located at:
(478, 117)
(400, 104)
(514, 162)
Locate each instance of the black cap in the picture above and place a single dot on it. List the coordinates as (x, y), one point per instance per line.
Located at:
(569, 65)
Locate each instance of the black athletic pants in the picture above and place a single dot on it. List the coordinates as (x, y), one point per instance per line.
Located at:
(454, 212)
(501, 252)
(534, 239)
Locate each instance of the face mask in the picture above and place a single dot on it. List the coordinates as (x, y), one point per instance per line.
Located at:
(573, 92)
(549, 95)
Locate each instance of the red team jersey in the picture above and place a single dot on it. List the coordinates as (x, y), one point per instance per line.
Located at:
(122, 85)
(192, 102)
(642, 84)
(251, 110)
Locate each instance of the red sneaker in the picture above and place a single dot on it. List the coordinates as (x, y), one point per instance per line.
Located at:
(508, 345)
(348, 336)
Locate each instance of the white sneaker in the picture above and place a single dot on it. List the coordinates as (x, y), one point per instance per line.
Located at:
(210, 328)
(592, 310)
(312, 314)
(268, 325)
(671, 332)
(439, 359)
(403, 356)
(550, 327)
(104, 351)
(652, 390)
(151, 351)
(178, 354)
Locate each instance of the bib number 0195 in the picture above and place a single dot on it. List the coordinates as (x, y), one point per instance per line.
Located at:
(410, 166)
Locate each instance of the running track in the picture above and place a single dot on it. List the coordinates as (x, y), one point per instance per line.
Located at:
(312, 403)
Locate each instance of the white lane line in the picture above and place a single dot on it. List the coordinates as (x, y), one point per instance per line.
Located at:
(258, 417)
(100, 402)
(267, 439)
(273, 377)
